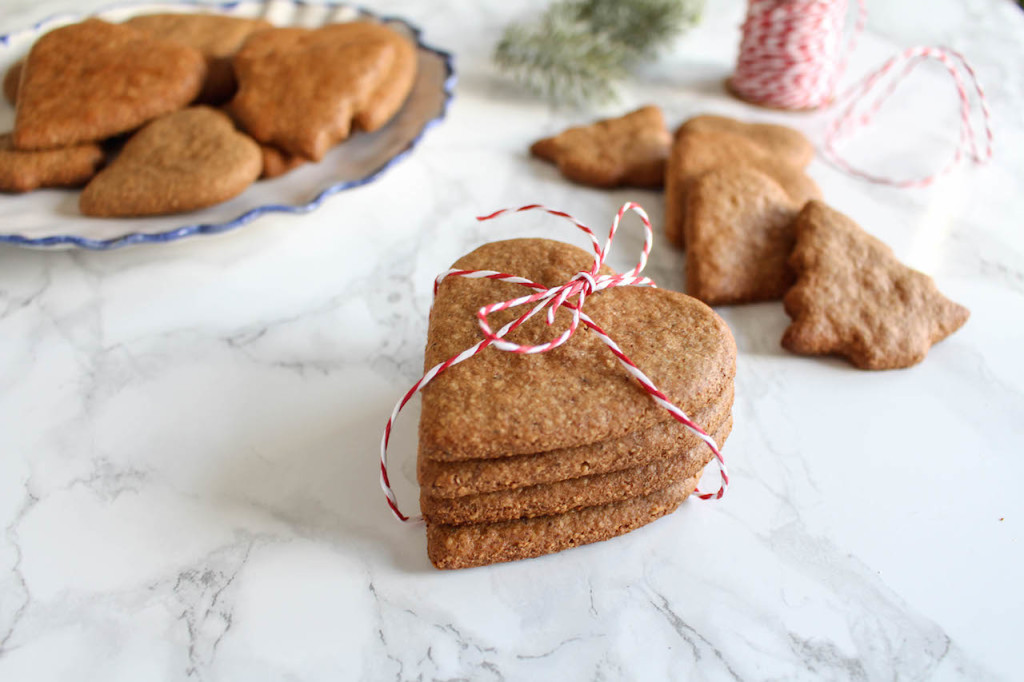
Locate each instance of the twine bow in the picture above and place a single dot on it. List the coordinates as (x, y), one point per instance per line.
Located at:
(572, 295)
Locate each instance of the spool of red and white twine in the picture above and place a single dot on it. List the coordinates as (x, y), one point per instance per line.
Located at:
(792, 55)
(570, 296)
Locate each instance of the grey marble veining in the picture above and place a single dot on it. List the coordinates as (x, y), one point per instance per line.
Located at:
(189, 432)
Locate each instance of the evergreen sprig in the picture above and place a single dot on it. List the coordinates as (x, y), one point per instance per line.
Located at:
(578, 50)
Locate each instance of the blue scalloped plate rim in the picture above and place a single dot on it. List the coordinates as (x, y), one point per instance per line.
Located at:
(254, 213)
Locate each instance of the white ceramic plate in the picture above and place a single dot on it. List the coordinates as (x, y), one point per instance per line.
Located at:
(50, 218)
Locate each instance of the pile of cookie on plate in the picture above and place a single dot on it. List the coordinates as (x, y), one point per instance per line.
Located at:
(755, 228)
(167, 113)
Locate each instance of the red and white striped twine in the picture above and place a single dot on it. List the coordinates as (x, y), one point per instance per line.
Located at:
(571, 296)
(792, 56)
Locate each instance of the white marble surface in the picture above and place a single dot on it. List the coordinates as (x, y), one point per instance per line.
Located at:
(188, 432)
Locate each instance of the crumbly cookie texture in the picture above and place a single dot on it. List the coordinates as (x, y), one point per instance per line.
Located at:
(503, 404)
(180, 162)
(578, 493)
(739, 234)
(22, 171)
(629, 150)
(93, 80)
(853, 298)
(447, 480)
(487, 543)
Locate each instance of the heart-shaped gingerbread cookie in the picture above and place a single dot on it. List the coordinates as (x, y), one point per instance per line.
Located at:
(501, 404)
(94, 80)
(559, 497)
(180, 162)
(786, 144)
(466, 478)
(739, 233)
(695, 152)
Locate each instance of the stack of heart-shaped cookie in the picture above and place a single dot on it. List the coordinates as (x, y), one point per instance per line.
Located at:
(523, 455)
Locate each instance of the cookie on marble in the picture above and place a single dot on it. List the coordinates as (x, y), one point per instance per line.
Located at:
(499, 407)
(22, 171)
(93, 80)
(505, 404)
(739, 234)
(11, 81)
(301, 90)
(696, 152)
(853, 298)
(780, 141)
(216, 36)
(451, 547)
(277, 162)
(629, 150)
(563, 496)
(180, 162)
(447, 480)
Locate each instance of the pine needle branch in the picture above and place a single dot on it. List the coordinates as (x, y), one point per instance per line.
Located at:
(579, 49)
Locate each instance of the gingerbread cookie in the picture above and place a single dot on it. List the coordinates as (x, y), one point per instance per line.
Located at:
(22, 171)
(695, 153)
(393, 90)
(300, 89)
(11, 81)
(739, 234)
(445, 480)
(504, 404)
(629, 150)
(216, 36)
(277, 162)
(578, 493)
(180, 162)
(93, 80)
(781, 142)
(853, 297)
(563, 417)
(479, 544)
